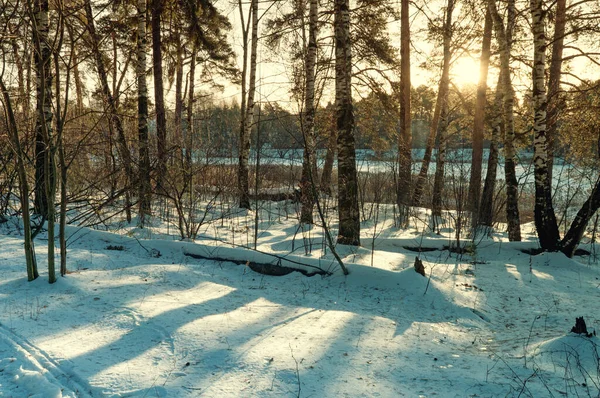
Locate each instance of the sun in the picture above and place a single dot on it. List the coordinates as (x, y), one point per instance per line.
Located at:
(465, 71)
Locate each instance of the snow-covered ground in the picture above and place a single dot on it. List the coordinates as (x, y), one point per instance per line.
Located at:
(142, 317)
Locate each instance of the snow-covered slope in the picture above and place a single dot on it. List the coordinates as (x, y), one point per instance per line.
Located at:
(143, 318)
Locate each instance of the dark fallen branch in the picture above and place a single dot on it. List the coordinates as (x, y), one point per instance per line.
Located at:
(538, 250)
(262, 268)
(420, 249)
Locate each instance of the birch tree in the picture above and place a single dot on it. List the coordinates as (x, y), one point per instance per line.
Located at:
(144, 187)
(545, 219)
(348, 211)
(504, 38)
(45, 190)
(309, 169)
(247, 103)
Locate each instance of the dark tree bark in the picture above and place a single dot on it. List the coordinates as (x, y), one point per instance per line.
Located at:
(486, 208)
(159, 96)
(349, 215)
(405, 136)
(504, 38)
(30, 259)
(116, 123)
(435, 123)
(572, 238)
(43, 130)
(479, 122)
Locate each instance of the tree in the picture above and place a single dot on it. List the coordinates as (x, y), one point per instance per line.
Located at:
(159, 96)
(348, 211)
(504, 38)
(554, 98)
(45, 166)
(115, 121)
(144, 187)
(309, 169)
(405, 136)
(442, 98)
(30, 259)
(247, 103)
(545, 219)
(442, 128)
(479, 122)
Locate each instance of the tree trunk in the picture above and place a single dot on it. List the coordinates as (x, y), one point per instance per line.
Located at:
(479, 122)
(433, 128)
(188, 138)
(177, 136)
(442, 131)
(573, 236)
(114, 117)
(349, 215)
(30, 260)
(42, 58)
(309, 165)
(554, 100)
(329, 159)
(144, 187)
(159, 96)
(45, 189)
(61, 114)
(486, 208)
(504, 37)
(545, 219)
(405, 136)
(243, 172)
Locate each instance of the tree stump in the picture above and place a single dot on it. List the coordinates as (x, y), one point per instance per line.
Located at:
(419, 267)
(581, 328)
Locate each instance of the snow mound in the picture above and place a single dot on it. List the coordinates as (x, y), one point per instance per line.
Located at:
(573, 356)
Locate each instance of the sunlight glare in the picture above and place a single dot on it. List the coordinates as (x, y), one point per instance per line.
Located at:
(465, 71)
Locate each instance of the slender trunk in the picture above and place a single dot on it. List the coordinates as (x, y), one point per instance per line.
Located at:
(504, 37)
(545, 219)
(20, 73)
(309, 169)
(434, 127)
(438, 183)
(555, 103)
(30, 259)
(144, 187)
(349, 215)
(325, 184)
(486, 209)
(572, 238)
(405, 136)
(159, 96)
(243, 173)
(61, 113)
(479, 122)
(177, 136)
(188, 142)
(111, 108)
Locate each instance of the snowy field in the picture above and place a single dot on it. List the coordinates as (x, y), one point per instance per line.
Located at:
(141, 316)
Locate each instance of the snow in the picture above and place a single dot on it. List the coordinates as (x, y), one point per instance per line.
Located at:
(142, 314)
